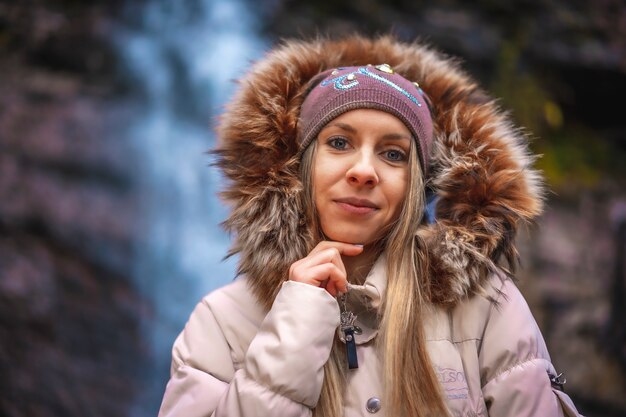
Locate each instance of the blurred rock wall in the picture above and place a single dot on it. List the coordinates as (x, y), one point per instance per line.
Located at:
(70, 341)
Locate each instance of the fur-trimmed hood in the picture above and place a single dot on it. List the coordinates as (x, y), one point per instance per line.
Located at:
(481, 169)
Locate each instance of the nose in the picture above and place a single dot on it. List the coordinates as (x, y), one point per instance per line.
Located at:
(363, 172)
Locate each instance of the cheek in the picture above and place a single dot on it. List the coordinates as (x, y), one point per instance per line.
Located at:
(397, 194)
(321, 182)
(326, 172)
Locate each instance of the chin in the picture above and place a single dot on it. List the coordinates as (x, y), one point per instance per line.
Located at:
(353, 237)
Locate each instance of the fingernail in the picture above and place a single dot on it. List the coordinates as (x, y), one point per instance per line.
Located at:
(358, 245)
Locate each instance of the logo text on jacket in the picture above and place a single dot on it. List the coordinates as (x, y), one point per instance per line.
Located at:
(453, 382)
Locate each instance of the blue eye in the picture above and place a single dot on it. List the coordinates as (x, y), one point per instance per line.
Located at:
(395, 155)
(338, 143)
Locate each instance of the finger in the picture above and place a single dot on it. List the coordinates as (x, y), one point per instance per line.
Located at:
(328, 276)
(331, 251)
(328, 255)
(331, 288)
(347, 249)
(320, 273)
(337, 280)
(324, 283)
(336, 283)
(335, 286)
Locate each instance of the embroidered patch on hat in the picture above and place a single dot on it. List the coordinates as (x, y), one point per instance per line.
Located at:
(353, 81)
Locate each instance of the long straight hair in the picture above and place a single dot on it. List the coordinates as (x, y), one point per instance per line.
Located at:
(411, 388)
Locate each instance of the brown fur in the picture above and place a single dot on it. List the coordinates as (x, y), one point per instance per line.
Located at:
(481, 168)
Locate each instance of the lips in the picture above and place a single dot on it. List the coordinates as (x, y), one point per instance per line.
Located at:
(357, 205)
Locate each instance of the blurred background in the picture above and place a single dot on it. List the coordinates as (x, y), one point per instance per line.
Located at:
(109, 224)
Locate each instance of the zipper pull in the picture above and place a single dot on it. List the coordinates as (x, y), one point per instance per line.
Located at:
(348, 329)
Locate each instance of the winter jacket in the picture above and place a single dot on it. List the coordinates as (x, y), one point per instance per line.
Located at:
(235, 359)
(257, 346)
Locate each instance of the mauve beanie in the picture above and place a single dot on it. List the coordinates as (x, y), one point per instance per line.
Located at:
(337, 91)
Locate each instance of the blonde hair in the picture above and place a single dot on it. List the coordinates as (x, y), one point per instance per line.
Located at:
(411, 388)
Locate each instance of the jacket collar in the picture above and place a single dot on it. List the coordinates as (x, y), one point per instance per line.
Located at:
(365, 300)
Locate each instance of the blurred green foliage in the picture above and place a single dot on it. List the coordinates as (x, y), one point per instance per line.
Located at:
(572, 155)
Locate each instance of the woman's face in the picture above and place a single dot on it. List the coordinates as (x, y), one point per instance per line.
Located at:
(360, 174)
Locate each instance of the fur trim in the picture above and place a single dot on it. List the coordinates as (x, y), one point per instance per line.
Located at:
(481, 166)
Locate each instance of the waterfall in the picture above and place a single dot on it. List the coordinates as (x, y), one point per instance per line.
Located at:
(182, 58)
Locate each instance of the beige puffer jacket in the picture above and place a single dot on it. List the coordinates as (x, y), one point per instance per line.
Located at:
(257, 347)
(233, 359)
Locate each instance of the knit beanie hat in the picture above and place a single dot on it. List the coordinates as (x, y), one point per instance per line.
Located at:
(337, 91)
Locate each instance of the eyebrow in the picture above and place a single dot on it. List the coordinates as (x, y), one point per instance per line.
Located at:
(340, 125)
(349, 128)
(396, 136)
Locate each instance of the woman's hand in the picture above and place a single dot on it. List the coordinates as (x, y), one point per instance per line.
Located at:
(323, 266)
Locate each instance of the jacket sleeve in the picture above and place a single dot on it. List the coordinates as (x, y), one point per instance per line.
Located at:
(515, 365)
(282, 371)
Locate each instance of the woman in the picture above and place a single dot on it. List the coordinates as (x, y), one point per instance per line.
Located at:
(350, 302)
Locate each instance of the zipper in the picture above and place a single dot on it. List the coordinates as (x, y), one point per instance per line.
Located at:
(348, 330)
